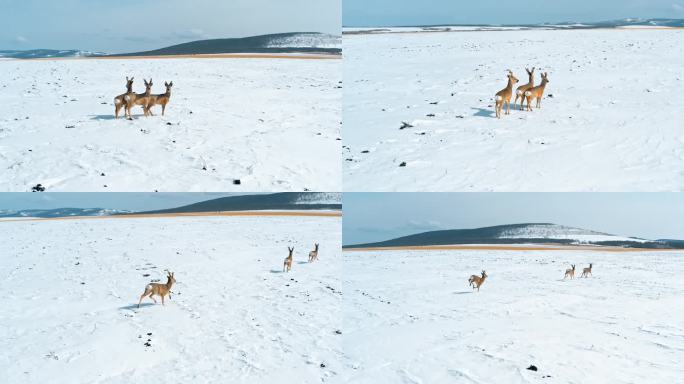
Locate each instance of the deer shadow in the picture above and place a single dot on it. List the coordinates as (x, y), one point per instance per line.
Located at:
(483, 112)
(276, 271)
(112, 117)
(463, 292)
(302, 262)
(135, 306)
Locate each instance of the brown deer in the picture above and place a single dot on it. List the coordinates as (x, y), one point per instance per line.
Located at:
(520, 91)
(119, 101)
(313, 255)
(161, 99)
(570, 272)
(158, 289)
(287, 265)
(504, 96)
(587, 271)
(537, 92)
(476, 281)
(132, 99)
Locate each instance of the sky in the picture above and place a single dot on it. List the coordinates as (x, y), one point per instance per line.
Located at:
(129, 26)
(130, 201)
(360, 13)
(370, 217)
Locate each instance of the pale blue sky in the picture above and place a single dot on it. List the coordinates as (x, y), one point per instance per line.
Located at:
(131, 201)
(431, 12)
(128, 25)
(372, 217)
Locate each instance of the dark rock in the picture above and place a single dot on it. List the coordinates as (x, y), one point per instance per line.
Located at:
(38, 188)
(237, 182)
(405, 125)
(403, 164)
(532, 368)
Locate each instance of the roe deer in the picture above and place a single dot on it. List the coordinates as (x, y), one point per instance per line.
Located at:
(158, 289)
(132, 99)
(587, 271)
(504, 96)
(313, 255)
(536, 92)
(570, 272)
(287, 265)
(476, 281)
(161, 99)
(520, 91)
(119, 101)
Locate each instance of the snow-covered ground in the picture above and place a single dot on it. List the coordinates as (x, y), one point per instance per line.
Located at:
(273, 124)
(613, 123)
(70, 290)
(410, 317)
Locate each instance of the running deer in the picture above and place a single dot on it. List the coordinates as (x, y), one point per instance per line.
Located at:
(476, 281)
(161, 99)
(587, 271)
(570, 272)
(158, 289)
(287, 265)
(132, 99)
(536, 92)
(313, 255)
(119, 101)
(520, 92)
(504, 96)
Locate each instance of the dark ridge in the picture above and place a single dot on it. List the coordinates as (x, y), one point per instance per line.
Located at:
(253, 44)
(490, 235)
(274, 201)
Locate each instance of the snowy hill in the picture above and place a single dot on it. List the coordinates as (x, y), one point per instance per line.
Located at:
(46, 53)
(274, 201)
(59, 212)
(529, 233)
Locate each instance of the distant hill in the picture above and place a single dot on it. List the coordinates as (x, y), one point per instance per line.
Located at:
(59, 212)
(529, 233)
(297, 42)
(274, 201)
(47, 53)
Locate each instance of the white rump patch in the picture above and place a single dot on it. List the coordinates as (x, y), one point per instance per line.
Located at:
(528, 93)
(518, 92)
(128, 98)
(117, 101)
(498, 98)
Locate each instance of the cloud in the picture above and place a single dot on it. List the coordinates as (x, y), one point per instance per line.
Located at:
(21, 39)
(193, 33)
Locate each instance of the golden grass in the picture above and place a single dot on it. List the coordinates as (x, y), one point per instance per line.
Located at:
(189, 214)
(527, 247)
(321, 56)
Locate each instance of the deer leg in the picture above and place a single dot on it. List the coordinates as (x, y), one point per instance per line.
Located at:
(151, 297)
(162, 299)
(163, 109)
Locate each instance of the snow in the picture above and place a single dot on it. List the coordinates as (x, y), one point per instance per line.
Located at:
(273, 124)
(307, 40)
(613, 123)
(70, 290)
(410, 317)
(554, 231)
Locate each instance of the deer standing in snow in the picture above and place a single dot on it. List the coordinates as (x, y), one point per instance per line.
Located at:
(587, 271)
(504, 96)
(520, 91)
(161, 99)
(313, 255)
(119, 101)
(476, 281)
(132, 99)
(570, 272)
(287, 264)
(158, 289)
(536, 92)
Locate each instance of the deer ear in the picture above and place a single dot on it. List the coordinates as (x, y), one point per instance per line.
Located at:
(171, 84)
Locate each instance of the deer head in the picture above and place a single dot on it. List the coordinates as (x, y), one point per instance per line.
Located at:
(168, 86)
(545, 78)
(129, 84)
(171, 279)
(148, 86)
(291, 250)
(511, 77)
(316, 246)
(484, 274)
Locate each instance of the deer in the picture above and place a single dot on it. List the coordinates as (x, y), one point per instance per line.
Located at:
(520, 91)
(570, 272)
(537, 92)
(287, 264)
(161, 99)
(476, 281)
(132, 99)
(504, 96)
(158, 289)
(587, 271)
(119, 101)
(313, 255)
